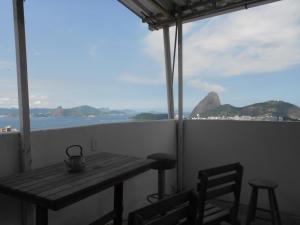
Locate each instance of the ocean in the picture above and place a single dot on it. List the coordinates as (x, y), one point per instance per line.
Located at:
(39, 123)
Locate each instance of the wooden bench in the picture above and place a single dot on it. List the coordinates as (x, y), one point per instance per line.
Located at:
(214, 183)
(180, 208)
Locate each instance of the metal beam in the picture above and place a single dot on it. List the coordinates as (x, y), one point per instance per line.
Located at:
(21, 60)
(168, 66)
(180, 108)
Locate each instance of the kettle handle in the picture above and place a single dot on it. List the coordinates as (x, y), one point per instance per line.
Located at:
(73, 146)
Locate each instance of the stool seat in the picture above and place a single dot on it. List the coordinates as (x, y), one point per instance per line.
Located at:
(263, 184)
(163, 161)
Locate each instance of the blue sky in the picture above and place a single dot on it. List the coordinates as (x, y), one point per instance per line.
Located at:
(99, 53)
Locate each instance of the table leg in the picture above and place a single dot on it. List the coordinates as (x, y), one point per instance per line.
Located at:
(41, 215)
(118, 204)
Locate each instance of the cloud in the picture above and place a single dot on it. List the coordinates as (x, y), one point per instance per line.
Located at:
(134, 79)
(257, 40)
(34, 101)
(204, 86)
(8, 102)
(9, 93)
(38, 101)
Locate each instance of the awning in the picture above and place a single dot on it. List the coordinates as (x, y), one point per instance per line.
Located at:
(159, 13)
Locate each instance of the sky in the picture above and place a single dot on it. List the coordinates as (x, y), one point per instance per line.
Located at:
(101, 54)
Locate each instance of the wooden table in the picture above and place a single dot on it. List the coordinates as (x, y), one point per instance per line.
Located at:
(52, 187)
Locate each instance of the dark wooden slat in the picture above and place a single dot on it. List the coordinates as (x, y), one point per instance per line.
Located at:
(67, 179)
(95, 182)
(163, 205)
(45, 178)
(171, 218)
(222, 180)
(220, 191)
(115, 175)
(63, 176)
(212, 211)
(62, 200)
(76, 180)
(104, 219)
(180, 208)
(264, 210)
(216, 218)
(41, 172)
(68, 187)
(219, 170)
(263, 218)
(208, 206)
(62, 168)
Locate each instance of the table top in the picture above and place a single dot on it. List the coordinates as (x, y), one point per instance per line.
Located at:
(55, 188)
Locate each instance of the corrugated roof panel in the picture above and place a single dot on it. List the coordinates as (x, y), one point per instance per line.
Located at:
(159, 13)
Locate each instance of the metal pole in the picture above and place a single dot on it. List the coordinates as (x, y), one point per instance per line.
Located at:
(180, 108)
(21, 60)
(168, 66)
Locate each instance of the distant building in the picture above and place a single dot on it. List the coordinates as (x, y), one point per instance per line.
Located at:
(7, 129)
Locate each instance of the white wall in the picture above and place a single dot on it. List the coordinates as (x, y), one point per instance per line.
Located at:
(135, 138)
(9, 164)
(266, 149)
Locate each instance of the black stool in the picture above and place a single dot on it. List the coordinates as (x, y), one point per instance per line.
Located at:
(274, 210)
(162, 163)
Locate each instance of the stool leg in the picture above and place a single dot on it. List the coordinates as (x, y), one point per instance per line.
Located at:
(161, 184)
(272, 207)
(276, 208)
(252, 206)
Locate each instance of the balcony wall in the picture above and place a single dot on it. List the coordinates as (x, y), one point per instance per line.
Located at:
(266, 149)
(9, 158)
(137, 139)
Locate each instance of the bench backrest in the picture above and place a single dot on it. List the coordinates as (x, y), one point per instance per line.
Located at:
(218, 181)
(181, 207)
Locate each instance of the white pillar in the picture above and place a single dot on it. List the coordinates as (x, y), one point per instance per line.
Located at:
(168, 66)
(180, 107)
(21, 60)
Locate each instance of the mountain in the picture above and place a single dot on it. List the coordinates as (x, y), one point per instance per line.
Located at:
(79, 111)
(210, 102)
(150, 116)
(272, 108)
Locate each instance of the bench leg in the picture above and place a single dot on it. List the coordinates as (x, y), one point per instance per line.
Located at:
(41, 215)
(118, 204)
